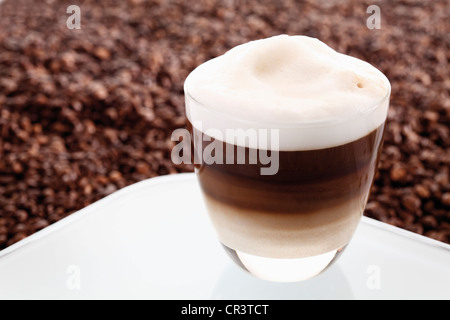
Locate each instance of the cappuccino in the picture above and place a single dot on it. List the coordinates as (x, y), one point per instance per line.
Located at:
(329, 111)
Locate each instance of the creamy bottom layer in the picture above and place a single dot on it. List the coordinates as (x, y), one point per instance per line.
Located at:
(285, 235)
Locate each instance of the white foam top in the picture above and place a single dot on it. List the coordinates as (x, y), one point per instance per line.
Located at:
(316, 96)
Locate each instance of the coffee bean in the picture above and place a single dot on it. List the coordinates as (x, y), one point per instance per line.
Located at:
(3, 230)
(422, 191)
(446, 199)
(16, 237)
(21, 215)
(398, 173)
(102, 53)
(39, 224)
(429, 222)
(411, 203)
(115, 176)
(438, 235)
(416, 228)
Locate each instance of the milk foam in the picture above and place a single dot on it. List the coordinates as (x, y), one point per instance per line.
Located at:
(314, 95)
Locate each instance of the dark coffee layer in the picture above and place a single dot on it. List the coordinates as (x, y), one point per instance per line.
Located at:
(305, 182)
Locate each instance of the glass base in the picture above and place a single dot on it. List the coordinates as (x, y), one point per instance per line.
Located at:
(284, 270)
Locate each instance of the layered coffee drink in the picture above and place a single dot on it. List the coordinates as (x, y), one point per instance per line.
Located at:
(287, 134)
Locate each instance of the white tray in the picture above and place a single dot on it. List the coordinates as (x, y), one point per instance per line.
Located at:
(153, 240)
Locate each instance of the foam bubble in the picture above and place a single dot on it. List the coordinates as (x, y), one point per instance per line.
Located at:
(316, 96)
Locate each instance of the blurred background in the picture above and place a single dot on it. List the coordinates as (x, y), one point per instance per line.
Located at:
(85, 112)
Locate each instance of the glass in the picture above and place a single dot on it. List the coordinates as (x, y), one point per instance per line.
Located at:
(281, 214)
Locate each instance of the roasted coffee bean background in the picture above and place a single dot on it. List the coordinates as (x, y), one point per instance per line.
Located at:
(86, 112)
